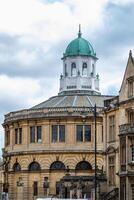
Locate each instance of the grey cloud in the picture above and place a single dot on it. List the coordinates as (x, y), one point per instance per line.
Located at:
(113, 41)
(45, 64)
(118, 30)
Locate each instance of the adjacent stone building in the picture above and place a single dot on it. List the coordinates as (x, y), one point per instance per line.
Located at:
(120, 135)
(49, 148)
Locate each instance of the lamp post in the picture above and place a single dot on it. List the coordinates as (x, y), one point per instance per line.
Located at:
(95, 150)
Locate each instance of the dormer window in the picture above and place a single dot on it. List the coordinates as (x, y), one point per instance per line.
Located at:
(84, 69)
(73, 69)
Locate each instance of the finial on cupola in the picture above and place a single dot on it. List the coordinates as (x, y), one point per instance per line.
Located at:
(79, 34)
(130, 53)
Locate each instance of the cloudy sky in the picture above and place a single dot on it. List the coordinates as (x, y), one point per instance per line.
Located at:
(35, 33)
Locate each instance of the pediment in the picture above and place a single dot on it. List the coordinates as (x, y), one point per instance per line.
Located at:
(128, 75)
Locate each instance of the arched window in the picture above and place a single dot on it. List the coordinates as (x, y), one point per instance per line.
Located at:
(84, 69)
(16, 167)
(57, 165)
(34, 166)
(73, 69)
(65, 70)
(83, 165)
(93, 68)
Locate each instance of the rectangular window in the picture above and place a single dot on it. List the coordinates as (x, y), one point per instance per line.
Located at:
(20, 135)
(79, 133)
(132, 152)
(61, 133)
(87, 133)
(123, 154)
(132, 187)
(35, 188)
(111, 128)
(35, 134)
(54, 133)
(7, 138)
(123, 188)
(102, 134)
(130, 88)
(131, 117)
(39, 134)
(111, 170)
(58, 133)
(83, 133)
(32, 134)
(16, 136)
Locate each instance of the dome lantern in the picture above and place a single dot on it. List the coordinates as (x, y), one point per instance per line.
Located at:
(79, 47)
(79, 68)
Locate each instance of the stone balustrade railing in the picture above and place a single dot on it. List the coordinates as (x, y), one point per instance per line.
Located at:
(126, 129)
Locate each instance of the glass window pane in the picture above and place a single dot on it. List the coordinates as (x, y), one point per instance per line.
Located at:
(132, 150)
(34, 166)
(73, 69)
(61, 133)
(32, 134)
(111, 128)
(84, 69)
(87, 133)
(35, 188)
(20, 135)
(39, 133)
(16, 136)
(17, 167)
(54, 133)
(79, 133)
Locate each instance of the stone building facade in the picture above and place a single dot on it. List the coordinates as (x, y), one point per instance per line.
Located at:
(49, 148)
(119, 130)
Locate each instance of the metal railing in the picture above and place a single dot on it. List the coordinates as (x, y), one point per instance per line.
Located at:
(112, 195)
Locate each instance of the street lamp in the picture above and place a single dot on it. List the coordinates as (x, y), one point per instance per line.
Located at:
(95, 150)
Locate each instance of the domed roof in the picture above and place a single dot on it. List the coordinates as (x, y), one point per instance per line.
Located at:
(79, 46)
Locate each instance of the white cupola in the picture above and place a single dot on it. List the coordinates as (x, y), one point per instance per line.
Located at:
(79, 68)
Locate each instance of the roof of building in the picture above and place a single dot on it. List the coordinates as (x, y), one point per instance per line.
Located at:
(60, 106)
(79, 47)
(78, 100)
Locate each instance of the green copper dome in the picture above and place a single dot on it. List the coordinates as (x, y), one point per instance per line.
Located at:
(79, 46)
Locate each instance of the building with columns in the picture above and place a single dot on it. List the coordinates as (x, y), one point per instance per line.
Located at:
(50, 148)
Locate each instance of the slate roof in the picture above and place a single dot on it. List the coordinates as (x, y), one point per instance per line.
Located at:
(78, 100)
